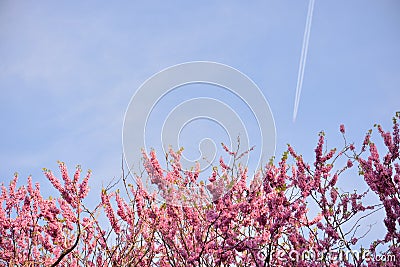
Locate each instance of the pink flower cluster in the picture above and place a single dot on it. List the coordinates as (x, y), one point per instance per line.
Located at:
(35, 231)
(383, 177)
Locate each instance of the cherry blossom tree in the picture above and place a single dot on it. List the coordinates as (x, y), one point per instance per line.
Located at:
(235, 219)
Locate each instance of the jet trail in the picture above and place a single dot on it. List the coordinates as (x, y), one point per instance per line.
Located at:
(303, 58)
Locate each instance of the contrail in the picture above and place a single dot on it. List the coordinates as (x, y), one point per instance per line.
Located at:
(303, 58)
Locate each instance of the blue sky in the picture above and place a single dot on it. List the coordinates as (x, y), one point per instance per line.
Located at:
(69, 69)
